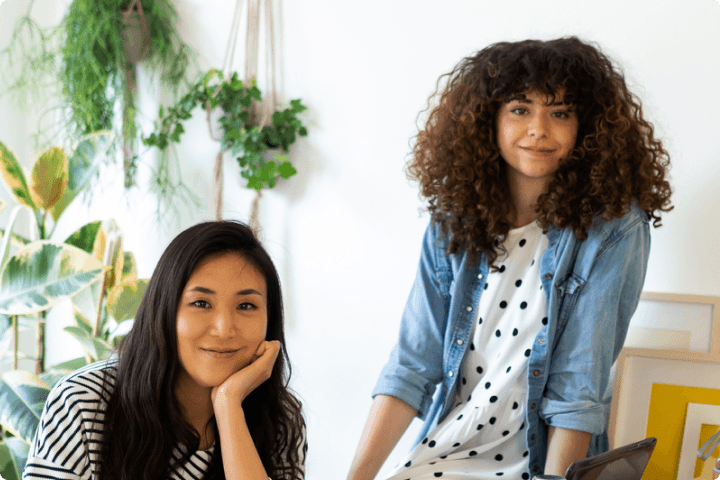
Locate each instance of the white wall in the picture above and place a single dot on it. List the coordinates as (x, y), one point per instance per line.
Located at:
(346, 231)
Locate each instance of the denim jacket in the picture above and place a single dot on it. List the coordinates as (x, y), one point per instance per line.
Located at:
(593, 288)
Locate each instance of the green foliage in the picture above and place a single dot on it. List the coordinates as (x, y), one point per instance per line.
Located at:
(90, 268)
(245, 140)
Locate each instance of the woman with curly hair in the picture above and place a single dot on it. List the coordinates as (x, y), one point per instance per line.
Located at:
(199, 386)
(541, 177)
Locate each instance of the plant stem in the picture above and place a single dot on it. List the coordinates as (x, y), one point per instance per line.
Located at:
(40, 362)
(16, 334)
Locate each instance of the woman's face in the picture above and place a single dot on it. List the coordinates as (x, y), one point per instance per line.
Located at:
(221, 319)
(534, 136)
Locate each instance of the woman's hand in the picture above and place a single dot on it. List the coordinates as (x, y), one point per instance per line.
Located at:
(241, 383)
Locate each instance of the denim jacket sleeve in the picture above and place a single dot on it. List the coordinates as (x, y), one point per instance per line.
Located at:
(595, 304)
(416, 362)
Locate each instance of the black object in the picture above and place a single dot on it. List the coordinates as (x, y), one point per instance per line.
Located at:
(625, 463)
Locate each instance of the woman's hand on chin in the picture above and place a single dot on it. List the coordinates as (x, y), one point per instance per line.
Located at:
(239, 385)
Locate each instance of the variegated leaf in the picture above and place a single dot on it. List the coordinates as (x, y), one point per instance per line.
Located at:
(49, 178)
(13, 457)
(69, 366)
(43, 273)
(84, 237)
(82, 166)
(129, 267)
(96, 348)
(14, 177)
(2, 205)
(22, 398)
(124, 300)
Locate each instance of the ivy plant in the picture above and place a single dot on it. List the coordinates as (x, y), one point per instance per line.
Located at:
(246, 140)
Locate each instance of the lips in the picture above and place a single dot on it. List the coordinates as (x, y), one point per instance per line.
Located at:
(220, 352)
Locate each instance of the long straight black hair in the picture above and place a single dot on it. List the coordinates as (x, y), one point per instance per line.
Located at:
(143, 419)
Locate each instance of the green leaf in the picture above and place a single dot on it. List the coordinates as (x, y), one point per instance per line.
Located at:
(6, 334)
(129, 271)
(22, 398)
(13, 457)
(43, 273)
(49, 178)
(14, 177)
(84, 237)
(83, 164)
(52, 377)
(97, 348)
(124, 300)
(286, 170)
(70, 365)
(2, 205)
(85, 304)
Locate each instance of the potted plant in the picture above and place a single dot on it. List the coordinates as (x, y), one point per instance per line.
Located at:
(241, 134)
(89, 267)
(93, 54)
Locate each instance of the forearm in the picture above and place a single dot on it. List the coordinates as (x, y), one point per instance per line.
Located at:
(564, 447)
(240, 456)
(389, 418)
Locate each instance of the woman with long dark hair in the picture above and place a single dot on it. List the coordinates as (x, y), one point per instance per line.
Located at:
(199, 387)
(542, 178)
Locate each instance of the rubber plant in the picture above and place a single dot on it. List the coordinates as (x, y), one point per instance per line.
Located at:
(241, 134)
(89, 267)
(93, 54)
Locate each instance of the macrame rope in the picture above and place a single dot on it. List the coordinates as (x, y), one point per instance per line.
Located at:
(267, 106)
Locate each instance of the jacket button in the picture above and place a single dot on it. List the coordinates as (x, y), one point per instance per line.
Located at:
(532, 437)
(468, 308)
(536, 372)
(535, 469)
(480, 276)
(548, 276)
(450, 373)
(540, 341)
(460, 342)
(532, 406)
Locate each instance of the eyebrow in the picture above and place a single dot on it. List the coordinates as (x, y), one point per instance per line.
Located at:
(524, 99)
(247, 291)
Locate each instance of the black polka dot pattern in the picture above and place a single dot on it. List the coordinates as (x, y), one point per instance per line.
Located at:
(498, 457)
(515, 405)
(501, 269)
(527, 352)
(493, 399)
(508, 370)
(487, 385)
(498, 332)
(523, 242)
(438, 474)
(480, 321)
(479, 370)
(407, 465)
(515, 332)
(460, 417)
(492, 420)
(480, 426)
(472, 453)
(506, 433)
(431, 444)
(545, 321)
(518, 283)
(503, 304)
(523, 305)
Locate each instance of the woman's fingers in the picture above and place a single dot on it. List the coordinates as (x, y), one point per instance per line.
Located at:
(248, 378)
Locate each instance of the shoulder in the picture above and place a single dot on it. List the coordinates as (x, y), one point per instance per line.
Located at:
(90, 379)
(618, 227)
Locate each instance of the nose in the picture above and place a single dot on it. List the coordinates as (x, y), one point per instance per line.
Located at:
(537, 126)
(223, 325)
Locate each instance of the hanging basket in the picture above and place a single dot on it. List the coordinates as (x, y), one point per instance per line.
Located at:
(135, 32)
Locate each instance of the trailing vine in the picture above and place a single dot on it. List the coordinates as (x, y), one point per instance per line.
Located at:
(241, 135)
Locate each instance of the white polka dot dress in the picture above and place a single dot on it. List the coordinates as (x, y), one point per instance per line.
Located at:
(483, 437)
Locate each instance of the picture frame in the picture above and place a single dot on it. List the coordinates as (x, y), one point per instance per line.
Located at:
(650, 399)
(697, 415)
(676, 326)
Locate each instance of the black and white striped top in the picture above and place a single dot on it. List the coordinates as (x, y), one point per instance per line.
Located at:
(67, 441)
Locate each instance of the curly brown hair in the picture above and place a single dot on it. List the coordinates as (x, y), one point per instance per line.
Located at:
(456, 160)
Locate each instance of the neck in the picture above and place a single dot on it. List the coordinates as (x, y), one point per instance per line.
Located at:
(197, 409)
(524, 195)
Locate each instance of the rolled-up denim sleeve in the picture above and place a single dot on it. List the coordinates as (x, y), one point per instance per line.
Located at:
(416, 362)
(598, 310)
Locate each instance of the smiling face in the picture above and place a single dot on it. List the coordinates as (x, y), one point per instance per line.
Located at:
(534, 136)
(221, 320)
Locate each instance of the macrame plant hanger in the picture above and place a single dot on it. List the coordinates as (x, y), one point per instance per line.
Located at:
(266, 108)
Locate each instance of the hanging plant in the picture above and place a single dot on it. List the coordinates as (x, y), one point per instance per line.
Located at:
(93, 54)
(244, 138)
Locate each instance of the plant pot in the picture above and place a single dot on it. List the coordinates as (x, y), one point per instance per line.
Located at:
(136, 33)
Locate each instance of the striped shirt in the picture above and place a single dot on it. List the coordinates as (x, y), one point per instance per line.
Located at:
(67, 441)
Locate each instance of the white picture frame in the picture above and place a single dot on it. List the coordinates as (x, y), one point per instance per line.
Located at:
(697, 414)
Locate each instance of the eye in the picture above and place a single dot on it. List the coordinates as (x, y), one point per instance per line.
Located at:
(519, 110)
(200, 304)
(246, 306)
(561, 114)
